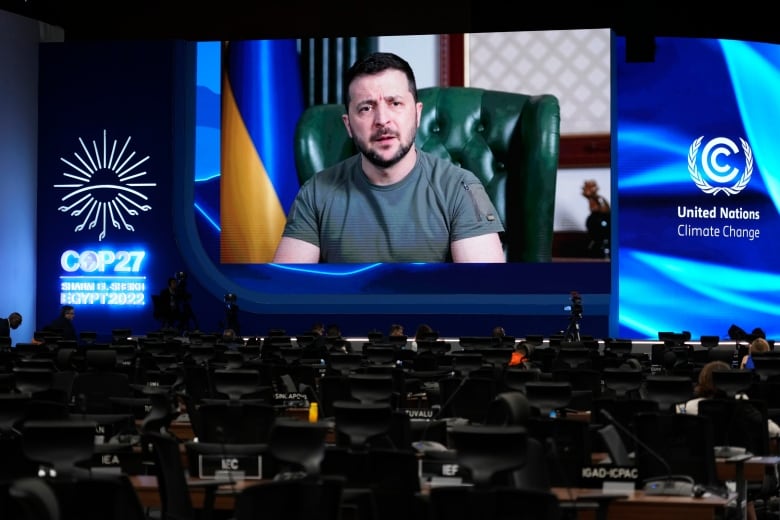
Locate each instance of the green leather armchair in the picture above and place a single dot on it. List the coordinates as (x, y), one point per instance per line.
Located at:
(510, 141)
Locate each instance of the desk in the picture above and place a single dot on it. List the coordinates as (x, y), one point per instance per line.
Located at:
(182, 429)
(754, 468)
(639, 506)
(149, 494)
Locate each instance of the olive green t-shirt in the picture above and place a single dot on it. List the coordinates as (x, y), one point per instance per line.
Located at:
(413, 220)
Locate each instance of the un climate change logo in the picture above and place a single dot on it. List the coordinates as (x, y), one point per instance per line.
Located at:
(717, 172)
(104, 191)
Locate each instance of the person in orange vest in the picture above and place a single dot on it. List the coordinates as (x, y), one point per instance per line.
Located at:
(520, 356)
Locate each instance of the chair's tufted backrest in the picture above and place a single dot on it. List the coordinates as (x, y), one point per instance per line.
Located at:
(510, 141)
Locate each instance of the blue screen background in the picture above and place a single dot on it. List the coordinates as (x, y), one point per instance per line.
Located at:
(696, 88)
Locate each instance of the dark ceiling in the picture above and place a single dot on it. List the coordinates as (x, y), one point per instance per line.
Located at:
(248, 19)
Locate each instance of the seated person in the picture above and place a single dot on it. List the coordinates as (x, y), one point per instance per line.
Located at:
(520, 356)
(757, 346)
(423, 333)
(230, 339)
(706, 389)
(396, 330)
(63, 324)
(392, 202)
(335, 341)
(317, 346)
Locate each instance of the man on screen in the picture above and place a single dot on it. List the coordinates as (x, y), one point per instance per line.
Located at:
(391, 202)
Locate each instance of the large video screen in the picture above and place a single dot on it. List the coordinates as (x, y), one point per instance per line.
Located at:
(698, 188)
(533, 289)
(130, 193)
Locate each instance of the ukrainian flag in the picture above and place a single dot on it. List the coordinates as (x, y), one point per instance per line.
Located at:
(262, 100)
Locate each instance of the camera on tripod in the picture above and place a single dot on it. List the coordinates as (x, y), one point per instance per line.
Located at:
(572, 333)
(231, 313)
(182, 293)
(576, 305)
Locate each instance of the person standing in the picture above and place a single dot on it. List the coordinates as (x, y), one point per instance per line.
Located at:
(10, 323)
(170, 301)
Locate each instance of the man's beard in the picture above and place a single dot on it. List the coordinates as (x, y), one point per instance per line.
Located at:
(377, 161)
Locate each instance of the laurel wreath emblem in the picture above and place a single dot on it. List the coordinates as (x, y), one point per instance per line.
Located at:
(706, 187)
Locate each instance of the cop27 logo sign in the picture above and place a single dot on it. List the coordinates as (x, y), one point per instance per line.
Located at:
(104, 188)
(716, 169)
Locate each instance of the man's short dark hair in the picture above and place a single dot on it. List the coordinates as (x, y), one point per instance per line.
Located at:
(375, 63)
(14, 316)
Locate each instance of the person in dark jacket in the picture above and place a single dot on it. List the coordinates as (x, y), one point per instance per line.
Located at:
(63, 324)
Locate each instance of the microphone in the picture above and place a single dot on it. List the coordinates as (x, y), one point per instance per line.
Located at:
(669, 485)
(424, 445)
(81, 404)
(450, 398)
(221, 435)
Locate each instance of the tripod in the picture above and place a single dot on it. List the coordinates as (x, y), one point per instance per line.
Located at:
(572, 333)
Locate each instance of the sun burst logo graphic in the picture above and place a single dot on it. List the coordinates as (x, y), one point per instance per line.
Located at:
(103, 195)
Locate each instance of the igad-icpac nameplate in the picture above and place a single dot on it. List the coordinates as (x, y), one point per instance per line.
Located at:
(230, 467)
(610, 478)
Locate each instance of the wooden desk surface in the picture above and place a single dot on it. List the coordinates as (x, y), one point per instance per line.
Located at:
(182, 429)
(639, 506)
(755, 468)
(149, 494)
(636, 506)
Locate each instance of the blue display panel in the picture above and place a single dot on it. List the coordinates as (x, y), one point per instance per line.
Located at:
(698, 188)
(107, 123)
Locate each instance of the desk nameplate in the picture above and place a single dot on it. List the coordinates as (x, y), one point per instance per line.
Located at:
(233, 467)
(422, 414)
(291, 400)
(439, 468)
(610, 478)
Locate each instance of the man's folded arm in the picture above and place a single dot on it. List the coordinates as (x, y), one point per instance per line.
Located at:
(295, 251)
(483, 248)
